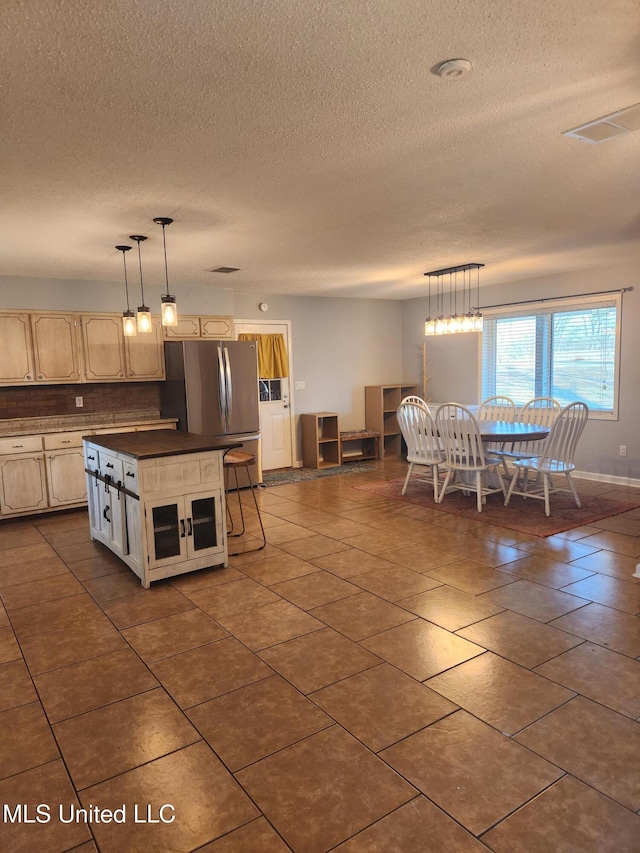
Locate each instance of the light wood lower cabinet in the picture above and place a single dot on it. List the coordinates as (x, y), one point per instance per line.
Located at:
(66, 481)
(23, 483)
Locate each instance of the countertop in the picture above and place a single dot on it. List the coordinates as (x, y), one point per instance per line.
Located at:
(154, 443)
(62, 423)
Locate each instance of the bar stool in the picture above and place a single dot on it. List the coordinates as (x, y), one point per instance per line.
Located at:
(234, 459)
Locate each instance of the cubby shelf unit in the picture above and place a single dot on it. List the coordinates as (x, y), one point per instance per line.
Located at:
(320, 440)
(381, 404)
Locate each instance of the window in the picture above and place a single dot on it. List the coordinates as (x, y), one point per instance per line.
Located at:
(569, 351)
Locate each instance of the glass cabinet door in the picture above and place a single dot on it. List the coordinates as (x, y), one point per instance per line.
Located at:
(167, 531)
(204, 524)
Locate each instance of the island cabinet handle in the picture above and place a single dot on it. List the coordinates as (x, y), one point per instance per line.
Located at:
(190, 523)
(130, 474)
(108, 465)
(91, 457)
(182, 529)
(105, 514)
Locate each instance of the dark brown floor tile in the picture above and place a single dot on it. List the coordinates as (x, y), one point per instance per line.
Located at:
(204, 578)
(534, 600)
(40, 591)
(318, 659)
(232, 597)
(51, 615)
(362, 615)
(378, 542)
(558, 548)
(119, 737)
(284, 531)
(257, 720)
(421, 649)
(600, 674)
(48, 786)
(566, 818)
(470, 770)
(254, 837)
(315, 589)
(323, 790)
(19, 573)
(519, 639)
(604, 626)
(69, 644)
(310, 547)
(273, 570)
(471, 577)
(207, 803)
(382, 705)
(488, 553)
(145, 606)
(58, 521)
(209, 671)
(4, 618)
(19, 533)
(572, 738)
(31, 742)
(608, 563)
(343, 528)
(546, 571)
(15, 558)
(502, 694)
(450, 608)
(109, 587)
(348, 564)
(618, 542)
(99, 566)
(417, 827)
(395, 582)
(620, 594)
(173, 634)
(419, 558)
(91, 684)
(9, 648)
(61, 537)
(16, 687)
(76, 551)
(265, 626)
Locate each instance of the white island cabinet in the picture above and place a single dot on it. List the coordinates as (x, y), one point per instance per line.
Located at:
(156, 499)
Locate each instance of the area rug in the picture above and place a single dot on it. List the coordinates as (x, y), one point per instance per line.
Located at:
(300, 475)
(525, 516)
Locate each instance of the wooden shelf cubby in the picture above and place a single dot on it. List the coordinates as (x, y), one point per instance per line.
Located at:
(320, 440)
(381, 404)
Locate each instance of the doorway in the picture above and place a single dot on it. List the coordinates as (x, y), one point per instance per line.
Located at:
(276, 414)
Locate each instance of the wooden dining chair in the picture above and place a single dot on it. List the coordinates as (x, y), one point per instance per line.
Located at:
(556, 459)
(424, 453)
(540, 411)
(465, 458)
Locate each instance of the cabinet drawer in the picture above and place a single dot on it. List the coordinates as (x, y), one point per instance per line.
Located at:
(110, 466)
(21, 444)
(63, 440)
(131, 477)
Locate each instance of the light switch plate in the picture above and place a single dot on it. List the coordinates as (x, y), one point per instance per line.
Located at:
(300, 386)
(79, 402)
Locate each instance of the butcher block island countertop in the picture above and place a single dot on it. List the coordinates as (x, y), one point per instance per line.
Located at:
(156, 499)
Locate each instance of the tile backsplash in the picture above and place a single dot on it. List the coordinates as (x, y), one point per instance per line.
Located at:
(36, 401)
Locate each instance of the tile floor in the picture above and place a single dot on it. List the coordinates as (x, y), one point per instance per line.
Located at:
(382, 677)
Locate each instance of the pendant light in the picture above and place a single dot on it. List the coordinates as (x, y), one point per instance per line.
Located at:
(169, 307)
(143, 315)
(128, 317)
(453, 323)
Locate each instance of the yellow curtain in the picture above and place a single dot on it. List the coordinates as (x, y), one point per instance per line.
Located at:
(272, 355)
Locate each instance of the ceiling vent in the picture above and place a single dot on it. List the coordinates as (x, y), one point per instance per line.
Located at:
(452, 69)
(607, 127)
(224, 269)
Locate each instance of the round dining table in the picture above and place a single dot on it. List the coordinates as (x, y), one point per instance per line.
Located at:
(511, 431)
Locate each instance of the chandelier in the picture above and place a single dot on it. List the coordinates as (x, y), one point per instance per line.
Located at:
(450, 310)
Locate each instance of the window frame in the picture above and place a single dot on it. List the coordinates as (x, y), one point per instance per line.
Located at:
(570, 303)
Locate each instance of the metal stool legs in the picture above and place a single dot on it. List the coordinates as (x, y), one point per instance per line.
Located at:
(233, 460)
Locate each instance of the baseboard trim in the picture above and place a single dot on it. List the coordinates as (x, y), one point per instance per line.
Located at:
(607, 478)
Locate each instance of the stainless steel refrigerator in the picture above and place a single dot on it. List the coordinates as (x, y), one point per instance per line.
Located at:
(212, 389)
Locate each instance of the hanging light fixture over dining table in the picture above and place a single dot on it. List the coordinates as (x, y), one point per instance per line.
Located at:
(449, 294)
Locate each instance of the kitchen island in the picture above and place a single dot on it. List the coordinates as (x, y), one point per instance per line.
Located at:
(156, 499)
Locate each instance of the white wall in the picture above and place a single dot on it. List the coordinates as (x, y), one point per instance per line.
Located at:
(454, 362)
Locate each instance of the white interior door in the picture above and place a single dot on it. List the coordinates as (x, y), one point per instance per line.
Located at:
(275, 402)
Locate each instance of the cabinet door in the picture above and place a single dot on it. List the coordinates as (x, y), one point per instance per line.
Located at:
(166, 531)
(204, 519)
(55, 348)
(67, 481)
(220, 328)
(103, 342)
(188, 327)
(145, 354)
(16, 352)
(112, 518)
(23, 484)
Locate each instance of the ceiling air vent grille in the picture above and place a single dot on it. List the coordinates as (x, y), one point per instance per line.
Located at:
(607, 127)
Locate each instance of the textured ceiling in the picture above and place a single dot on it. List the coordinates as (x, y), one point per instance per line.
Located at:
(310, 144)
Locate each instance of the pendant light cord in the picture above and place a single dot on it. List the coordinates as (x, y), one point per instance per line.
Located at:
(140, 265)
(126, 280)
(166, 268)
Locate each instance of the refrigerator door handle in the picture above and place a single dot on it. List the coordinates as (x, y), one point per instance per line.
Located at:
(229, 385)
(222, 397)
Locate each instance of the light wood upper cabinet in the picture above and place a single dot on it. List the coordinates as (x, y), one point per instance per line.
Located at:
(145, 354)
(103, 339)
(218, 328)
(55, 347)
(16, 351)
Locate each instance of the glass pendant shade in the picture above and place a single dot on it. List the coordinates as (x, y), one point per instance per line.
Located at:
(169, 307)
(128, 317)
(169, 310)
(458, 293)
(143, 315)
(430, 326)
